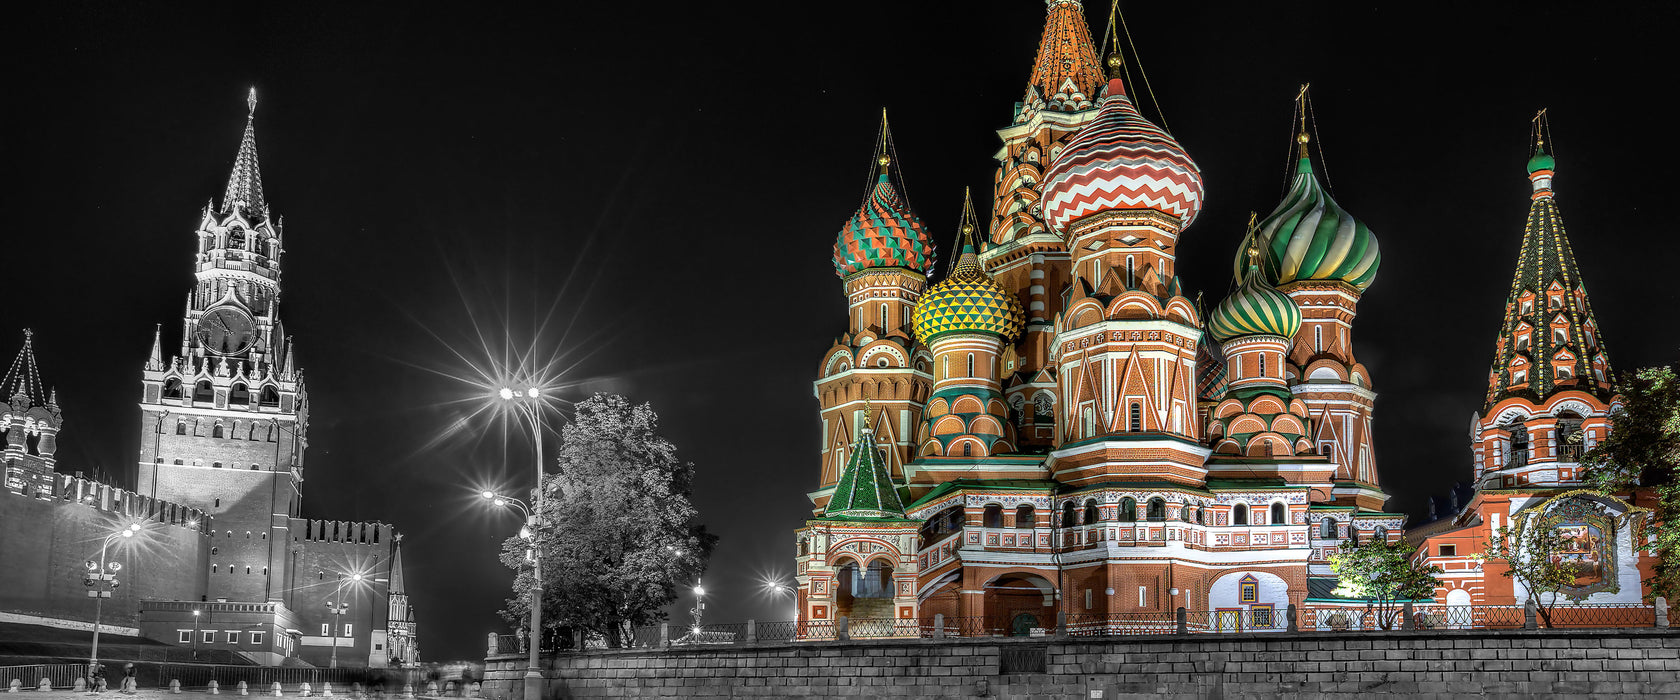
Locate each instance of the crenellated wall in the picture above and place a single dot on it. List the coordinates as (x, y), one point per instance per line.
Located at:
(50, 534)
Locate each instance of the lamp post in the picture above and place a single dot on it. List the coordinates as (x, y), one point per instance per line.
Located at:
(338, 608)
(525, 402)
(100, 596)
(195, 634)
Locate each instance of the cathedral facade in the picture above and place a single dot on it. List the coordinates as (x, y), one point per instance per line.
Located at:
(1054, 426)
(224, 419)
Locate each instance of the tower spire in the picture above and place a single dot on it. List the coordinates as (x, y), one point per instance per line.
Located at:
(23, 378)
(1549, 341)
(155, 362)
(1067, 74)
(244, 189)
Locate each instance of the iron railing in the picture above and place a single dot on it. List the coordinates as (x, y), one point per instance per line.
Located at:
(256, 678)
(1252, 619)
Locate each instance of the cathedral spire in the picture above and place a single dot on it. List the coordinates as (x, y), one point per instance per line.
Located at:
(244, 189)
(1067, 75)
(1549, 341)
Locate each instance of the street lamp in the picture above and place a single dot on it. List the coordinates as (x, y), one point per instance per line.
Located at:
(337, 608)
(100, 596)
(525, 402)
(195, 634)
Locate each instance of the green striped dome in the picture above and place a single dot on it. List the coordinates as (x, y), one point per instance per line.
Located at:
(969, 301)
(1254, 309)
(1310, 237)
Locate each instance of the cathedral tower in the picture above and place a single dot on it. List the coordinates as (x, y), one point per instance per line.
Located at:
(875, 376)
(1322, 257)
(1550, 388)
(966, 320)
(1025, 255)
(223, 423)
(1120, 193)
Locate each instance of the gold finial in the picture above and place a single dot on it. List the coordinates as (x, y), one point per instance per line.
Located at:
(884, 161)
(1303, 138)
(28, 337)
(1301, 109)
(1253, 255)
(1116, 63)
(251, 102)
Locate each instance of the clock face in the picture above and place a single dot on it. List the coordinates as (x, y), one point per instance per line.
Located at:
(226, 331)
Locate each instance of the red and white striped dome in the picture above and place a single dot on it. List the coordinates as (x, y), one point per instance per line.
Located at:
(1121, 161)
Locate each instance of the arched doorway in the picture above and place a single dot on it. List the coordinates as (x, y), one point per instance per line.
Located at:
(1020, 604)
(864, 592)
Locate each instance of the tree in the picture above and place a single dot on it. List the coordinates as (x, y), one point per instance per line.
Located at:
(1530, 551)
(1384, 573)
(1643, 449)
(617, 530)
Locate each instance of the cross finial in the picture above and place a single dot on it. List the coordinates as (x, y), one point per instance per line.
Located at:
(251, 101)
(28, 337)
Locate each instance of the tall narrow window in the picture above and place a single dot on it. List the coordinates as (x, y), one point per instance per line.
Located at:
(1136, 418)
(946, 369)
(1239, 514)
(1262, 365)
(1318, 339)
(971, 365)
(1131, 274)
(1279, 517)
(884, 316)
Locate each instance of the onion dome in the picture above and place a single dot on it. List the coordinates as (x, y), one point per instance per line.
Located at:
(1254, 309)
(1310, 237)
(1541, 161)
(1120, 161)
(968, 300)
(883, 233)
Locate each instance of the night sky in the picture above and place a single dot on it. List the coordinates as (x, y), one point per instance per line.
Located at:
(650, 194)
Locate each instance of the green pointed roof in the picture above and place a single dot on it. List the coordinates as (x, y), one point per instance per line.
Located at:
(865, 490)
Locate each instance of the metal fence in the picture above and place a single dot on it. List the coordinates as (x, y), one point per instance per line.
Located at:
(1254, 619)
(257, 678)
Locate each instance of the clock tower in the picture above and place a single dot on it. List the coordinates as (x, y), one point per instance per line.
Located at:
(224, 422)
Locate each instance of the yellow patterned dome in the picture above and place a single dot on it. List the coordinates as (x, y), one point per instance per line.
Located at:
(968, 301)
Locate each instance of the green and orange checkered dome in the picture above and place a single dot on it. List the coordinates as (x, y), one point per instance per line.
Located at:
(883, 233)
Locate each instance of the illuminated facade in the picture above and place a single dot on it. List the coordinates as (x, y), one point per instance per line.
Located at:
(1549, 399)
(1064, 428)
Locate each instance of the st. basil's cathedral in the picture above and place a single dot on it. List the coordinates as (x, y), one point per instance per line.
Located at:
(1056, 426)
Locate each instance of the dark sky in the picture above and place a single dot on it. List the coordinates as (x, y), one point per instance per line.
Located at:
(669, 181)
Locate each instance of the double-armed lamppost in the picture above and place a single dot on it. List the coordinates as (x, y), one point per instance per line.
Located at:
(527, 403)
(99, 596)
(337, 607)
(195, 634)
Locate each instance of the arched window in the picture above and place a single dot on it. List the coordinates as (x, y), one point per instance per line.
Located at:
(1131, 273)
(1201, 514)
(992, 516)
(240, 395)
(1327, 528)
(1024, 517)
(204, 392)
(172, 388)
(971, 364)
(1185, 514)
(1128, 510)
(180, 428)
(1318, 339)
(1157, 511)
(1278, 516)
(218, 465)
(1091, 512)
(1380, 534)
(1136, 417)
(1067, 515)
(968, 449)
(179, 463)
(1239, 514)
(216, 431)
(945, 366)
(884, 317)
(1262, 365)
(254, 467)
(1519, 445)
(270, 396)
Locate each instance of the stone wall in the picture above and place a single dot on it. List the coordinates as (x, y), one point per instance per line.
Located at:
(1346, 665)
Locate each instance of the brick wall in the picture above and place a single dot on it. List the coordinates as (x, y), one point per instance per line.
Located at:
(1330, 665)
